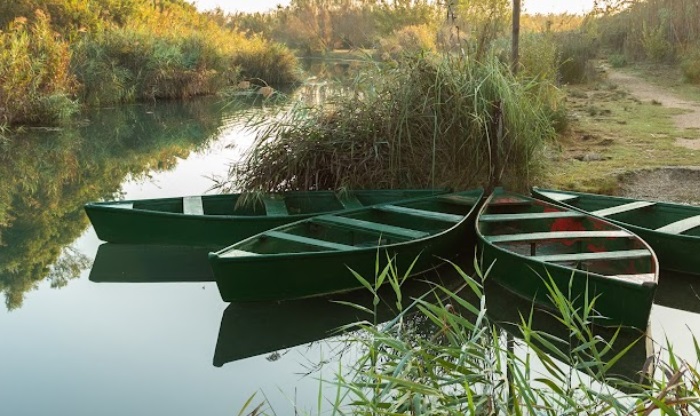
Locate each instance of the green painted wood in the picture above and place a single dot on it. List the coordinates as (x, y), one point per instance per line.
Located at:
(372, 226)
(623, 208)
(285, 270)
(557, 235)
(306, 240)
(530, 216)
(275, 206)
(226, 218)
(421, 213)
(604, 255)
(192, 205)
(616, 268)
(681, 226)
(350, 201)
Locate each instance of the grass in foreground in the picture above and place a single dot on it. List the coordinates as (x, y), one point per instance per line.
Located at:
(446, 355)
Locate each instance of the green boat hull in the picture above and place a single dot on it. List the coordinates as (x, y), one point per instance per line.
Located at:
(223, 220)
(275, 272)
(676, 252)
(618, 301)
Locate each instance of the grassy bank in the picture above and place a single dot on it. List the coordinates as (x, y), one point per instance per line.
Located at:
(64, 54)
(613, 132)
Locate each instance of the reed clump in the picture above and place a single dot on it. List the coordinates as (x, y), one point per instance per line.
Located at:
(424, 121)
(35, 80)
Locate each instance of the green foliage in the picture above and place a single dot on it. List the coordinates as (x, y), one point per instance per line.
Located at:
(656, 47)
(423, 122)
(690, 65)
(36, 84)
(617, 60)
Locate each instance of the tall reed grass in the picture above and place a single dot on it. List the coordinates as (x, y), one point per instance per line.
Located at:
(36, 85)
(447, 354)
(425, 121)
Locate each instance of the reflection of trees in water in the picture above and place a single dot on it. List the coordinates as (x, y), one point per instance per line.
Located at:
(47, 176)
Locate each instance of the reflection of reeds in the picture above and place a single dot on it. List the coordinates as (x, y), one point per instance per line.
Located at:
(425, 122)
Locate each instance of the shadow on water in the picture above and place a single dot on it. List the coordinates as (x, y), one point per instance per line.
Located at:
(136, 263)
(256, 328)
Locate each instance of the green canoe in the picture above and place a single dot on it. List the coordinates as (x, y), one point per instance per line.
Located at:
(219, 220)
(525, 242)
(312, 257)
(672, 230)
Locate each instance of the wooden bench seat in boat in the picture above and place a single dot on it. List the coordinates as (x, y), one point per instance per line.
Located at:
(238, 253)
(556, 196)
(192, 205)
(557, 235)
(274, 206)
(603, 255)
(623, 208)
(440, 216)
(531, 216)
(372, 226)
(307, 240)
(681, 226)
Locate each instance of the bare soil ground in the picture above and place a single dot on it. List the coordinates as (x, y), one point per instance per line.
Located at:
(689, 119)
(680, 184)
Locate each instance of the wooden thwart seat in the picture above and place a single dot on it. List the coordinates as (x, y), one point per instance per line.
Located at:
(623, 208)
(557, 235)
(238, 253)
(192, 205)
(640, 278)
(603, 255)
(530, 216)
(350, 201)
(372, 226)
(440, 216)
(459, 199)
(307, 240)
(681, 226)
(275, 206)
(556, 196)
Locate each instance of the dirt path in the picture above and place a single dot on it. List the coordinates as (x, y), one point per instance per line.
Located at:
(689, 119)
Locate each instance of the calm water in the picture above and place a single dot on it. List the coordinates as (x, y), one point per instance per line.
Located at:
(76, 341)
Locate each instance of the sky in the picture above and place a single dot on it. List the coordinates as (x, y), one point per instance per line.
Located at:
(530, 6)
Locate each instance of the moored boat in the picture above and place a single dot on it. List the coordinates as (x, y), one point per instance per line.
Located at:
(672, 230)
(527, 244)
(314, 256)
(219, 220)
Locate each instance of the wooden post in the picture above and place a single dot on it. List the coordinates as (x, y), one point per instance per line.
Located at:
(515, 41)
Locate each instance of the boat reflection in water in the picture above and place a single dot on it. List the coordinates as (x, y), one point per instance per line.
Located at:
(504, 308)
(136, 263)
(254, 328)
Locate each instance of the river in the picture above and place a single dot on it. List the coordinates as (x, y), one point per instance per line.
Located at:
(76, 341)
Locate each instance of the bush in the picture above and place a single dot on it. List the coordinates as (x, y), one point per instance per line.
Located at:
(617, 60)
(409, 40)
(690, 65)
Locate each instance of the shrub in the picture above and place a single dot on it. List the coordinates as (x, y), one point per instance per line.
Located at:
(410, 40)
(575, 54)
(690, 65)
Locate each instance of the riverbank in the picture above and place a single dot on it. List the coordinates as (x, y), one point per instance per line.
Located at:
(626, 127)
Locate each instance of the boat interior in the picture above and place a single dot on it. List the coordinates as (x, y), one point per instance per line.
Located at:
(555, 235)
